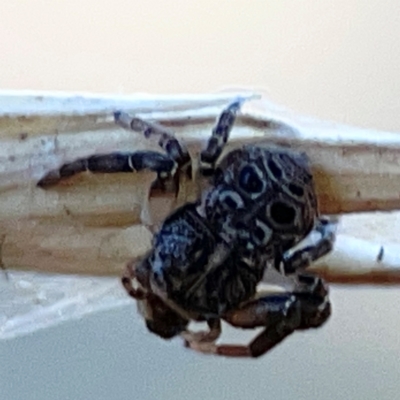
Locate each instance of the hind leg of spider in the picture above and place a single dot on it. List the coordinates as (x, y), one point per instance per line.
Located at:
(162, 164)
(299, 259)
(280, 315)
(219, 137)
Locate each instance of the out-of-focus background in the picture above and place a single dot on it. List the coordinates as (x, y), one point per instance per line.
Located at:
(336, 60)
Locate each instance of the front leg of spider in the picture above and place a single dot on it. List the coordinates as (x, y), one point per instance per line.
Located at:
(280, 315)
(299, 259)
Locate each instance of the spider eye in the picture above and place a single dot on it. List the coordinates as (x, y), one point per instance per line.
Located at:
(250, 180)
(282, 213)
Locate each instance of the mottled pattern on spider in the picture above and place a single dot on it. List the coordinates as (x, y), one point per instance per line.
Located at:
(209, 256)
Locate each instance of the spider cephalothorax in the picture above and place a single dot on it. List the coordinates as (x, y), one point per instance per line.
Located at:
(209, 255)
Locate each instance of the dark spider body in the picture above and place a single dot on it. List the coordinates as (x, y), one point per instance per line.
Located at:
(209, 256)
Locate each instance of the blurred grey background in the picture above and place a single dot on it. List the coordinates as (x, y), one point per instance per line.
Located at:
(334, 59)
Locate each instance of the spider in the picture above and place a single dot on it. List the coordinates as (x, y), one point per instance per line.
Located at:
(207, 259)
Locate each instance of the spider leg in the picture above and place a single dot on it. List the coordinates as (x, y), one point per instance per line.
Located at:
(168, 142)
(298, 259)
(176, 151)
(280, 315)
(204, 337)
(112, 163)
(167, 166)
(219, 137)
(127, 278)
(313, 294)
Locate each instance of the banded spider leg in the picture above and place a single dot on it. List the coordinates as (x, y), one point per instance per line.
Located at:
(169, 166)
(301, 257)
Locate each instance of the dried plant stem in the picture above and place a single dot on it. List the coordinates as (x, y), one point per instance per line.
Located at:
(92, 224)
